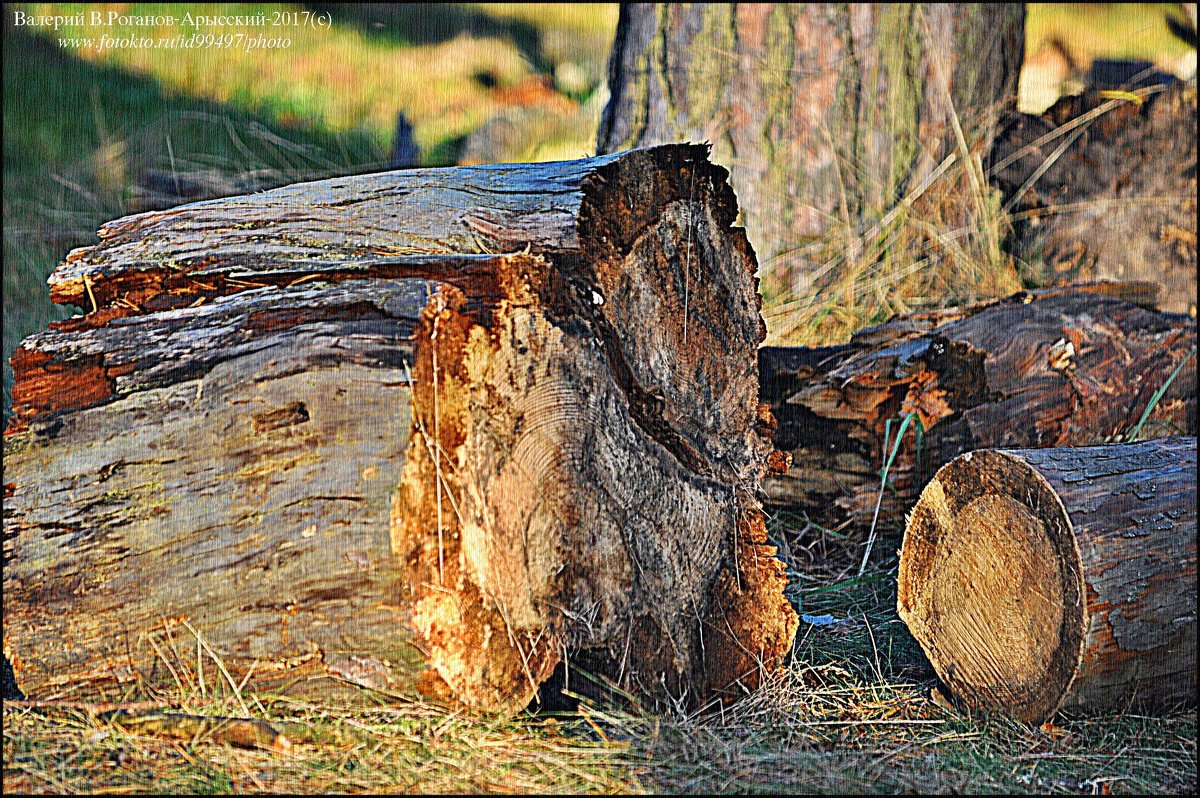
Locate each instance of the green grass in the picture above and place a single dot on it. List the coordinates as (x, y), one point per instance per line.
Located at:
(76, 136)
(372, 61)
(339, 77)
(1156, 396)
(1135, 31)
(1087, 31)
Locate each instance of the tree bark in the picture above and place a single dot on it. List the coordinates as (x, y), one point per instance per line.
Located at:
(264, 429)
(1105, 188)
(824, 113)
(231, 465)
(1058, 578)
(1055, 367)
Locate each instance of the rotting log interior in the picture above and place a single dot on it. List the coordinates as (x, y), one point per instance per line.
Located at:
(587, 462)
(609, 359)
(1040, 579)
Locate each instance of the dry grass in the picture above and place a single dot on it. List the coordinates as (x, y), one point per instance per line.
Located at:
(941, 244)
(854, 712)
(918, 256)
(937, 246)
(351, 747)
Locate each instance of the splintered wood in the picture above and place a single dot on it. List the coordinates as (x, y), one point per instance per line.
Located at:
(450, 429)
(1058, 578)
(1070, 366)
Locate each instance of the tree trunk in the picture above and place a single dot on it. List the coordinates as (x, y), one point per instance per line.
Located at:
(1118, 201)
(259, 431)
(1058, 578)
(824, 112)
(1056, 367)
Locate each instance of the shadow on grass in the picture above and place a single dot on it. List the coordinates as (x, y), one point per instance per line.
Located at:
(432, 23)
(79, 136)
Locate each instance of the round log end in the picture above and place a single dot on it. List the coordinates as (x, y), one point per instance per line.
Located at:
(990, 584)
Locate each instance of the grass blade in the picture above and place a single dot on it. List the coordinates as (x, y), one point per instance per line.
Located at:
(1158, 395)
(919, 433)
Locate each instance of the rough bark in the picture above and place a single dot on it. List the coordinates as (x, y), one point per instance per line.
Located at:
(1117, 202)
(1055, 367)
(231, 465)
(821, 111)
(1058, 578)
(555, 460)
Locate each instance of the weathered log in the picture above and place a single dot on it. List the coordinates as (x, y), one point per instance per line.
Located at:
(1042, 579)
(1054, 367)
(1105, 197)
(264, 427)
(231, 465)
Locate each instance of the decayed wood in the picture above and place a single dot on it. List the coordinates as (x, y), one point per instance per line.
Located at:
(1054, 367)
(585, 460)
(1042, 579)
(236, 471)
(364, 224)
(569, 476)
(78, 363)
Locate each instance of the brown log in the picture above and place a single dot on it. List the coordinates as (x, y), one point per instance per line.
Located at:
(230, 465)
(1045, 579)
(1103, 186)
(1054, 367)
(266, 428)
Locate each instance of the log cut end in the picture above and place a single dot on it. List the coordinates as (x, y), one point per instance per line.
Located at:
(990, 585)
(566, 443)
(581, 481)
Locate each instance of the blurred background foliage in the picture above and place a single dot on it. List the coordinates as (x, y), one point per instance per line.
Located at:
(92, 135)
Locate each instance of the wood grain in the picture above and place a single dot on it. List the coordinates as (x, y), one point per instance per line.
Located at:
(444, 430)
(1045, 579)
(1049, 368)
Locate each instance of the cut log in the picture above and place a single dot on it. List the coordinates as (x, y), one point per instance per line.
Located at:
(265, 428)
(232, 465)
(1041, 579)
(1053, 367)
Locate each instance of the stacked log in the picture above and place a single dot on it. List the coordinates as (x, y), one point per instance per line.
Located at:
(1049, 368)
(450, 430)
(1047, 579)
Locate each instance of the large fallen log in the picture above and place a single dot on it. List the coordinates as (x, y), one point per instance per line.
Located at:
(1058, 578)
(266, 433)
(1054, 367)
